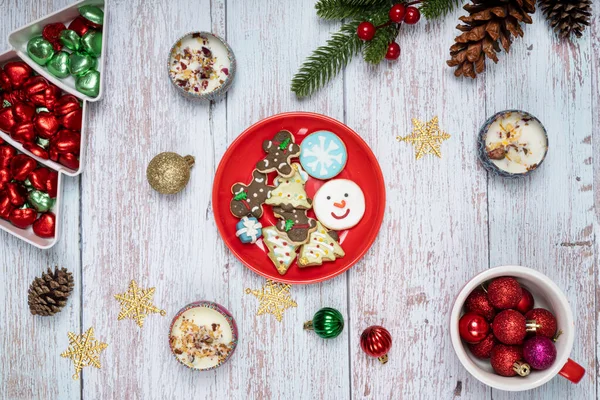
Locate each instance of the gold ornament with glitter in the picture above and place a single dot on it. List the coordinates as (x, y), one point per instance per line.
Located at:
(169, 173)
(427, 138)
(274, 298)
(84, 350)
(136, 304)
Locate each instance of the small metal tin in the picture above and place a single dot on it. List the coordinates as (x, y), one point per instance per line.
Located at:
(218, 92)
(219, 309)
(485, 160)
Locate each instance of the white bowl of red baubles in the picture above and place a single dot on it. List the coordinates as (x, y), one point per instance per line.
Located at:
(398, 14)
(512, 328)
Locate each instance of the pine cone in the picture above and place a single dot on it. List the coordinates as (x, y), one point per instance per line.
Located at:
(490, 23)
(567, 17)
(49, 294)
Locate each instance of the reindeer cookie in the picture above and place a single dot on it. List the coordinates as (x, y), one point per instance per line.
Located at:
(280, 151)
(295, 223)
(249, 199)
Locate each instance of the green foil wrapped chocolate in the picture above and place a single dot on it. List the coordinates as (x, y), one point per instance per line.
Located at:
(43, 143)
(91, 43)
(80, 63)
(93, 14)
(70, 39)
(40, 50)
(328, 323)
(39, 200)
(89, 83)
(59, 64)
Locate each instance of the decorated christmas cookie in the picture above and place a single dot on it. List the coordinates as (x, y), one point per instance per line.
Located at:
(248, 230)
(295, 223)
(279, 152)
(249, 199)
(281, 250)
(290, 191)
(339, 204)
(320, 248)
(323, 155)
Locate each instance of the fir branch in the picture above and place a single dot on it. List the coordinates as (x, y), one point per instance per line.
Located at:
(327, 61)
(367, 2)
(432, 9)
(338, 9)
(375, 50)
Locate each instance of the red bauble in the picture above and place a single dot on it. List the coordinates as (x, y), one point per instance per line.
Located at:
(526, 303)
(397, 13)
(376, 341)
(366, 31)
(509, 327)
(473, 328)
(483, 349)
(503, 359)
(545, 322)
(45, 226)
(393, 51)
(412, 16)
(478, 303)
(505, 292)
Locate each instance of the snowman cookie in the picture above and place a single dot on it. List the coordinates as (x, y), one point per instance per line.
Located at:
(323, 155)
(339, 204)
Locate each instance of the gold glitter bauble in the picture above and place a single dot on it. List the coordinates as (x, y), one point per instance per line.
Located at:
(169, 173)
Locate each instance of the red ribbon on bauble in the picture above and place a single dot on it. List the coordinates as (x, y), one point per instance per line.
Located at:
(45, 226)
(21, 165)
(23, 217)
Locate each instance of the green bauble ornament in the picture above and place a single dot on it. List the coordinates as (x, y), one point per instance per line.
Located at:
(89, 83)
(59, 64)
(41, 201)
(328, 323)
(93, 14)
(70, 39)
(40, 50)
(81, 63)
(91, 43)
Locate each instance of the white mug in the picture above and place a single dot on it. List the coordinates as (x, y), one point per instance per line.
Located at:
(546, 295)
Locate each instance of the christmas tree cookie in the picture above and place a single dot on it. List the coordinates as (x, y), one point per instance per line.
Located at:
(282, 251)
(290, 191)
(320, 248)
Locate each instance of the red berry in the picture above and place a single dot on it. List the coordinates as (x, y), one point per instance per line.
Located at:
(393, 51)
(366, 31)
(412, 15)
(397, 13)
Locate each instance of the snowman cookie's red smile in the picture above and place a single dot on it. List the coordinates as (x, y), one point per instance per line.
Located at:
(340, 205)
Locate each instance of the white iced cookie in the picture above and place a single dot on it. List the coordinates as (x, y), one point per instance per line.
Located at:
(339, 204)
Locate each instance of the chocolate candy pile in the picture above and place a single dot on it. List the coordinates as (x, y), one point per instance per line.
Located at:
(27, 192)
(38, 115)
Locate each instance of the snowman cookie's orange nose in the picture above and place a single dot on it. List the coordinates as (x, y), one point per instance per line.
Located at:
(340, 205)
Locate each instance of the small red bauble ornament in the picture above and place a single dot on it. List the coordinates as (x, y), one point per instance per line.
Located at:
(508, 360)
(483, 349)
(22, 217)
(478, 303)
(366, 31)
(505, 292)
(510, 327)
(412, 16)
(473, 328)
(397, 13)
(45, 226)
(526, 303)
(393, 51)
(376, 341)
(545, 322)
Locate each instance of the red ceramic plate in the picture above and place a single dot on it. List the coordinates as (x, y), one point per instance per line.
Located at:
(238, 163)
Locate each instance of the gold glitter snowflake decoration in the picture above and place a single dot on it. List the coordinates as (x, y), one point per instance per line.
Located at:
(84, 350)
(274, 298)
(136, 304)
(427, 138)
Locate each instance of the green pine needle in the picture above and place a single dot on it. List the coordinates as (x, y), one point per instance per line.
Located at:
(337, 9)
(375, 50)
(367, 2)
(432, 9)
(327, 61)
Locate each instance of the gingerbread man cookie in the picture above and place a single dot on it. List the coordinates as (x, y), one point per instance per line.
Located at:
(249, 199)
(280, 151)
(295, 223)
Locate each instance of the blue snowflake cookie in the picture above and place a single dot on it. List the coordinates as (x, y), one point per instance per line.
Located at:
(248, 230)
(323, 155)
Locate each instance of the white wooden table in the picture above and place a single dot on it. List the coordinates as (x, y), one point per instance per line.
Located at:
(446, 219)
